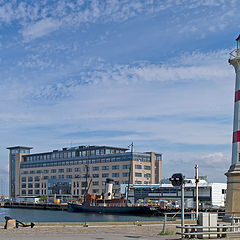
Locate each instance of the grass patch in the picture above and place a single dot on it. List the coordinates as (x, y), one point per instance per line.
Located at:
(165, 233)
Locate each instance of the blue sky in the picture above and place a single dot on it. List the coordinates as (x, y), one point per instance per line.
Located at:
(115, 71)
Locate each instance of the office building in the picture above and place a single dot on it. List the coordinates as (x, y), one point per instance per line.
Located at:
(70, 172)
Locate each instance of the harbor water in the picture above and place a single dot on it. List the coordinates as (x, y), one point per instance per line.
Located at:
(33, 215)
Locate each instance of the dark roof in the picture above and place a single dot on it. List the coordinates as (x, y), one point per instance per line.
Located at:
(19, 147)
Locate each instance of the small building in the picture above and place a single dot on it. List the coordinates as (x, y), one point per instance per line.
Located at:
(210, 194)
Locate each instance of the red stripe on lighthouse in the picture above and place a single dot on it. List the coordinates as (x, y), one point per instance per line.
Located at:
(236, 136)
(237, 96)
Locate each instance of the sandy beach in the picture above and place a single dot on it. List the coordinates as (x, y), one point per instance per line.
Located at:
(72, 232)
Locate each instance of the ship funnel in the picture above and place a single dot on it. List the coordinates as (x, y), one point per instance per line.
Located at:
(108, 188)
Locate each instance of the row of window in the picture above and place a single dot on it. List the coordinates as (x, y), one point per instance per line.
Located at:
(104, 175)
(145, 167)
(30, 192)
(61, 170)
(44, 192)
(75, 184)
(75, 162)
(72, 154)
(96, 168)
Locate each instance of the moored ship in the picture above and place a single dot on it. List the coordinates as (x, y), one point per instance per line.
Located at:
(107, 204)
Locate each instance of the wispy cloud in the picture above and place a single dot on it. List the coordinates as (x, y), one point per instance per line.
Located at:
(105, 72)
(40, 28)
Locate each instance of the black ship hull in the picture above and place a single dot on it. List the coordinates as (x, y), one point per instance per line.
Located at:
(136, 210)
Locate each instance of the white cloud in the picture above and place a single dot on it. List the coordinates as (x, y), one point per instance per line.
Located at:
(40, 28)
(42, 17)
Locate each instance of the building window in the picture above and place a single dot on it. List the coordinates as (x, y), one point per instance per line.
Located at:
(23, 179)
(115, 167)
(45, 177)
(39, 171)
(77, 169)
(30, 179)
(30, 185)
(61, 176)
(69, 176)
(116, 182)
(61, 170)
(45, 171)
(30, 192)
(125, 174)
(76, 176)
(147, 167)
(138, 174)
(23, 192)
(138, 182)
(105, 167)
(105, 175)
(25, 172)
(95, 175)
(146, 182)
(69, 154)
(53, 170)
(84, 184)
(69, 169)
(53, 177)
(138, 166)
(37, 191)
(24, 185)
(115, 174)
(95, 190)
(147, 175)
(37, 178)
(95, 168)
(125, 166)
(37, 185)
(95, 183)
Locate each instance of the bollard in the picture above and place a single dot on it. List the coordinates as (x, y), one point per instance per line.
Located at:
(10, 223)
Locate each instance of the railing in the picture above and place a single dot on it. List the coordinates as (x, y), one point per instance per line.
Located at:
(235, 53)
(196, 231)
(192, 214)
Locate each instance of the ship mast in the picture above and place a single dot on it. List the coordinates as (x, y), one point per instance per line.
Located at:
(130, 170)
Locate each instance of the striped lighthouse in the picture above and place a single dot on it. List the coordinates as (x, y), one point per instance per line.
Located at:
(233, 174)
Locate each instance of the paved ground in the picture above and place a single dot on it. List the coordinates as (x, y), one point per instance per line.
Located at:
(92, 232)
